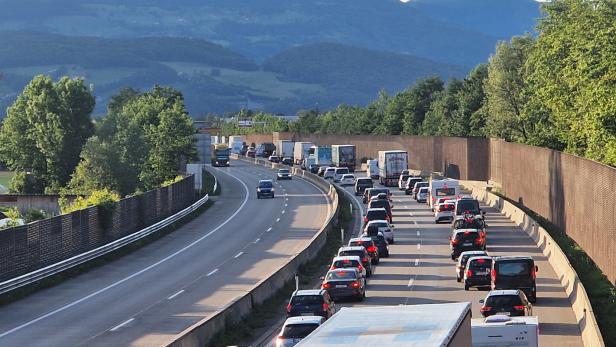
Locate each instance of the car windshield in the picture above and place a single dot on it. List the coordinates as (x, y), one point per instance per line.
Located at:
(341, 275)
(307, 300)
(298, 331)
(514, 269)
(423, 190)
(503, 301)
(348, 177)
(265, 184)
(421, 185)
(379, 225)
(283, 171)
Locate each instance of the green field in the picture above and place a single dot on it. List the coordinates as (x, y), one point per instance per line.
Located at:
(5, 178)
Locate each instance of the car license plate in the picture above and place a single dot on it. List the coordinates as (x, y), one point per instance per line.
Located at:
(307, 314)
(504, 313)
(341, 286)
(482, 272)
(467, 244)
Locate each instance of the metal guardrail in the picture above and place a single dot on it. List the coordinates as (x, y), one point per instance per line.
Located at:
(66, 264)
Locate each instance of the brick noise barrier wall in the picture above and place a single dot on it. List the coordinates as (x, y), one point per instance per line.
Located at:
(201, 332)
(36, 245)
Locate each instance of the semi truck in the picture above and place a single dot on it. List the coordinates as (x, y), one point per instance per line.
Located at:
(391, 165)
(301, 151)
(504, 331)
(430, 325)
(220, 154)
(265, 149)
(285, 148)
(344, 156)
(322, 155)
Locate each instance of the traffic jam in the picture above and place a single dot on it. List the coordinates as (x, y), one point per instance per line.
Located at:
(509, 280)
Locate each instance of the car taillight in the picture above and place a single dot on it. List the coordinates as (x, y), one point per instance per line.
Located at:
(371, 249)
(469, 273)
(365, 260)
(325, 307)
(333, 267)
(455, 242)
(355, 284)
(366, 219)
(478, 241)
(481, 261)
(518, 307)
(289, 308)
(326, 285)
(493, 275)
(533, 273)
(485, 308)
(360, 267)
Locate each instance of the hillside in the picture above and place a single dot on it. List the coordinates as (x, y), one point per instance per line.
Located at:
(212, 78)
(459, 32)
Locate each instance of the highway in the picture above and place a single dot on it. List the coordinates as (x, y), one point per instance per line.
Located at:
(152, 294)
(420, 270)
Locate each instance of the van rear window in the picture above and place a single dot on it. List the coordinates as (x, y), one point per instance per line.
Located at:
(445, 191)
(514, 269)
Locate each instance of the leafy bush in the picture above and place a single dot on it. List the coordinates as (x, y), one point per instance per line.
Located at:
(105, 199)
(172, 181)
(34, 214)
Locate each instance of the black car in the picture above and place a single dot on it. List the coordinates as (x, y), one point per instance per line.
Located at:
(265, 189)
(508, 302)
(381, 244)
(313, 168)
(380, 203)
(369, 193)
(463, 259)
(370, 247)
(468, 205)
(362, 184)
(375, 214)
(314, 302)
(321, 170)
(515, 272)
(363, 255)
(287, 161)
(344, 283)
(477, 272)
(465, 240)
(410, 183)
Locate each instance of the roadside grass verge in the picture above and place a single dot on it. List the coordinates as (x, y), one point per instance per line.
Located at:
(264, 316)
(601, 292)
(100, 261)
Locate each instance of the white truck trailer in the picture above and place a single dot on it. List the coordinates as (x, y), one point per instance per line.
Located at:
(432, 325)
(391, 164)
(505, 331)
(301, 151)
(285, 148)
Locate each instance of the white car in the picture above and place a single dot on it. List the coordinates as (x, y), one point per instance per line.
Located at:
(329, 172)
(284, 174)
(445, 211)
(349, 261)
(375, 226)
(347, 180)
(295, 329)
(339, 172)
(422, 195)
(402, 181)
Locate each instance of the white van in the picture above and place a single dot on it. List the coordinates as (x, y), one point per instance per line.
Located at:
(339, 172)
(373, 168)
(502, 330)
(447, 188)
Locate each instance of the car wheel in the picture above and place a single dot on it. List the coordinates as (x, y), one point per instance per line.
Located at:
(453, 257)
(458, 279)
(392, 241)
(466, 286)
(258, 196)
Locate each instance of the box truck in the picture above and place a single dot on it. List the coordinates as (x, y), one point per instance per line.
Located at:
(344, 156)
(430, 325)
(322, 155)
(391, 164)
(285, 148)
(301, 151)
(504, 331)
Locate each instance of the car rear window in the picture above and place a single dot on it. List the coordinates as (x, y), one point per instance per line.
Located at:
(298, 331)
(503, 300)
(342, 171)
(362, 243)
(379, 241)
(513, 269)
(467, 236)
(468, 205)
(405, 177)
(307, 299)
(346, 263)
(364, 181)
(447, 207)
(445, 192)
(341, 275)
(265, 184)
(351, 253)
(378, 204)
(480, 264)
(381, 214)
(377, 191)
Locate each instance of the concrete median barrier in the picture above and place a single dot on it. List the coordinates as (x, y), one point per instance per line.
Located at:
(591, 335)
(203, 331)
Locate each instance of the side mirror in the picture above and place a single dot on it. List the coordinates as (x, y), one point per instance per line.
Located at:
(481, 301)
(322, 278)
(393, 226)
(536, 268)
(449, 237)
(483, 213)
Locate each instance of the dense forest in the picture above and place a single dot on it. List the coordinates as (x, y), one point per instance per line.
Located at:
(557, 90)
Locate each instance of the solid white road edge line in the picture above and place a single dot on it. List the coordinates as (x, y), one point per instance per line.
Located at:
(238, 255)
(121, 325)
(127, 278)
(212, 272)
(268, 229)
(277, 220)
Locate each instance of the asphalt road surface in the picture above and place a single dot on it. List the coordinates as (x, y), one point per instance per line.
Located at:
(152, 294)
(420, 270)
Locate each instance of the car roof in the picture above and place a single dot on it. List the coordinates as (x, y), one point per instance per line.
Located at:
(348, 175)
(514, 257)
(365, 179)
(363, 238)
(504, 292)
(266, 181)
(308, 292)
(283, 169)
(344, 269)
(304, 320)
(347, 257)
(480, 257)
(350, 248)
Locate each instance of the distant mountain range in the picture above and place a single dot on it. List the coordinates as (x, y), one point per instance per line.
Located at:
(280, 55)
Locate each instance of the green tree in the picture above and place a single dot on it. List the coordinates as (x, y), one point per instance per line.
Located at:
(442, 110)
(468, 119)
(418, 100)
(44, 131)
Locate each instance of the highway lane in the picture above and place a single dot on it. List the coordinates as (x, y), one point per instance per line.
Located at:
(420, 269)
(148, 296)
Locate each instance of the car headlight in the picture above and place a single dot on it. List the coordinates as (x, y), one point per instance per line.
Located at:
(259, 190)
